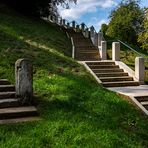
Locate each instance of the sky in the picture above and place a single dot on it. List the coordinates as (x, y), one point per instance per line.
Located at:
(92, 12)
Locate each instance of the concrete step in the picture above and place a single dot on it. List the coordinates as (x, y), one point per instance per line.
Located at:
(120, 84)
(103, 66)
(5, 103)
(14, 112)
(4, 82)
(87, 52)
(113, 74)
(7, 88)
(87, 57)
(115, 79)
(107, 70)
(4, 95)
(144, 103)
(142, 98)
(19, 120)
(100, 63)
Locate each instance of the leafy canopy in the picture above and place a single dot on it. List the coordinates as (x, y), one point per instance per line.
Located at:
(125, 21)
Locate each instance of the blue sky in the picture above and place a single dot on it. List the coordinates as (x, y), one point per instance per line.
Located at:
(92, 12)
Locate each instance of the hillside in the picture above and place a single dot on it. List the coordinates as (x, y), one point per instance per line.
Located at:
(75, 110)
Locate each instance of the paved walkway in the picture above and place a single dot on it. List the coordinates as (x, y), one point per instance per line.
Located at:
(141, 90)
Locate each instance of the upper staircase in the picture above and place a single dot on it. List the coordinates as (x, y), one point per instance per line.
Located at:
(84, 48)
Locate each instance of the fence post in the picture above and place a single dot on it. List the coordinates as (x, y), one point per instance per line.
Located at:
(116, 51)
(140, 69)
(100, 38)
(86, 33)
(63, 22)
(92, 33)
(77, 28)
(68, 25)
(103, 50)
(24, 80)
(96, 39)
(83, 27)
(73, 24)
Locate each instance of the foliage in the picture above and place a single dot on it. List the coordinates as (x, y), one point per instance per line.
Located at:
(104, 28)
(36, 7)
(143, 36)
(125, 21)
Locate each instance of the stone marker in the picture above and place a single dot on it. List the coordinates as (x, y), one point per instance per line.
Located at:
(100, 38)
(139, 69)
(103, 50)
(116, 51)
(24, 80)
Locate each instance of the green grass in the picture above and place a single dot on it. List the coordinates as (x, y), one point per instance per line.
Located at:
(75, 110)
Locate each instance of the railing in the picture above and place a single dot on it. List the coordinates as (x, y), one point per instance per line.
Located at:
(88, 32)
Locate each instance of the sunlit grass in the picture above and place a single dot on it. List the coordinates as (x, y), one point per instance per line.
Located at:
(75, 110)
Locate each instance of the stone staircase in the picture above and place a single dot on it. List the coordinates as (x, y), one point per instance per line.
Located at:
(84, 48)
(143, 100)
(11, 111)
(111, 75)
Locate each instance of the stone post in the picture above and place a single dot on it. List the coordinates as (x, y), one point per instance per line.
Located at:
(63, 22)
(116, 51)
(92, 33)
(68, 25)
(100, 38)
(77, 28)
(83, 27)
(24, 80)
(73, 24)
(96, 39)
(103, 50)
(140, 69)
(86, 33)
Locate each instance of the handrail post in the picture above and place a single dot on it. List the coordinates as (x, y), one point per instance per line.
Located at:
(63, 22)
(100, 38)
(83, 27)
(86, 33)
(103, 50)
(73, 24)
(77, 28)
(116, 51)
(73, 48)
(96, 39)
(68, 25)
(140, 69)
(92, 33)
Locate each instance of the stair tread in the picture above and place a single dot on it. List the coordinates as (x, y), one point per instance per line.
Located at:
(3, 93)
(7, 86)
(112, 73)
(144, 103)
(120, 82)
(8, 100)
(18, 109)
(19, 120)
(115, 77)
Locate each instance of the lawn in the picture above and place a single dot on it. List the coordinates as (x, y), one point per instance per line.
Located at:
(75, 110)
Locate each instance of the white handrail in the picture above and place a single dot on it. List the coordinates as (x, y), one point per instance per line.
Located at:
(73, 48)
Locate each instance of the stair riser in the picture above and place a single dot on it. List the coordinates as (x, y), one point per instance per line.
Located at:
(4, 96)
(121, 85)
(99, 63)
(103, 67)
(15, 115)
(6, 89)
(116, 80)
(112, 75)
(4, 83)
(142, 99)
(10, 104)
(146, 106)
(107, 71)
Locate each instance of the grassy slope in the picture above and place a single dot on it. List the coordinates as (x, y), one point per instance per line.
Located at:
(75, 111)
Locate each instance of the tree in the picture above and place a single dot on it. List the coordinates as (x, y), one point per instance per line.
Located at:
(36, 7)
(125, 21)
(143, 36)
(104, 28)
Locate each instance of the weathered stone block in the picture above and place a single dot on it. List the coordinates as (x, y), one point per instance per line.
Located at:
(24, 81)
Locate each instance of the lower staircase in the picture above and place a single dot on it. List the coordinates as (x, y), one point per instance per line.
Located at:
(111, 75)
(11, 111)
(84, 48)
